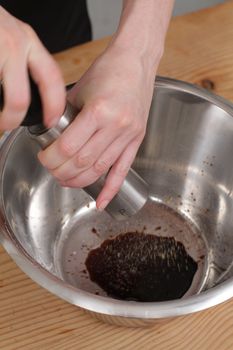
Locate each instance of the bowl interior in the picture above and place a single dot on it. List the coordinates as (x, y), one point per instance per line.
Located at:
(185, 158)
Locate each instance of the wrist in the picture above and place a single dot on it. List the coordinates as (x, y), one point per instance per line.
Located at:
(142, 29)
(148, 56)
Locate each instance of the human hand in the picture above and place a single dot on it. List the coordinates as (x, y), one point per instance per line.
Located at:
(114, 98)
(21, 52)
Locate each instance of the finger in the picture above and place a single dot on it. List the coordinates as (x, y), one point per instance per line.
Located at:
(84, 179)
(99, 143)
(70, 142)
(117, 174)
(46, 73)
(92, 174)
(16, 93)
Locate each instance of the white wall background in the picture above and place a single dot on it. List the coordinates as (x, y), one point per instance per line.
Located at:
(105, 13)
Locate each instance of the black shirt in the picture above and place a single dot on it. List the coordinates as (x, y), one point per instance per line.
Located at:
(59, 24)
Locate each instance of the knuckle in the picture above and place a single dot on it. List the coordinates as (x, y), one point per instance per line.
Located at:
(98, 106)
(83, 161)
(98, 110)
(101, 167)
(124, 121)
(66, 148)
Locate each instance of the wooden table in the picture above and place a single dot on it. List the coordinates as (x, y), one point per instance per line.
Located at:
(199, 49)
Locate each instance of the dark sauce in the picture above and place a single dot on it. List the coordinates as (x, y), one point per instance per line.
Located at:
(142, 267)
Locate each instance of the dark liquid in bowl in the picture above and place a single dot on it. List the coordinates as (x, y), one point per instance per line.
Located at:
(142, 267)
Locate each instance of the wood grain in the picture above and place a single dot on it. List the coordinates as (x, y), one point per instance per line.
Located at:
(198, 49)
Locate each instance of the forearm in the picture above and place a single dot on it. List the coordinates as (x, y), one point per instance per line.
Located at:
(142, 28)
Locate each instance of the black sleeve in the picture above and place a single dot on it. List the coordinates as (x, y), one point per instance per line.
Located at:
(59, 24)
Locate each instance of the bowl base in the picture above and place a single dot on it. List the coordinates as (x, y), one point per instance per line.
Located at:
(88, 228)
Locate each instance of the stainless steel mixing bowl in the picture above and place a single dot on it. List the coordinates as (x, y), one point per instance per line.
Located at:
(186, 158)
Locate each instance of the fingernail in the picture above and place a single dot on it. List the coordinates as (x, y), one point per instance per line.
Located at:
(102, 205)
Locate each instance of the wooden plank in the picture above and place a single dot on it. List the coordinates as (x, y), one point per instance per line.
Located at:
(198, 49)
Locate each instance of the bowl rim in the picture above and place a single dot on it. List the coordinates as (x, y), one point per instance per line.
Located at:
(101, 304)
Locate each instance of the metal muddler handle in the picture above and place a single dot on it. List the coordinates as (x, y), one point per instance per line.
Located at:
(133, 193)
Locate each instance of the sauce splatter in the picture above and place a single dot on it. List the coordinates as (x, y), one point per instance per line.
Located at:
(142, 267)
